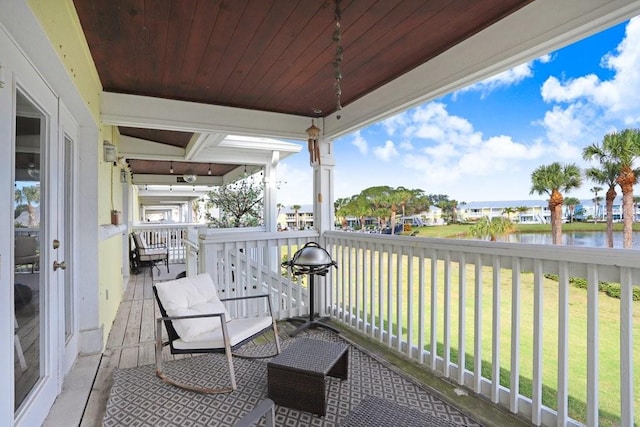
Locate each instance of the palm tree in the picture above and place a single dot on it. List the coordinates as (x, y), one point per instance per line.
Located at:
(554, 179)
(521, 210)
(596, 201)
(31, 195)
(296, 208)
(509, 211)
(624, 148)
(571, 203)
(449, 210)
(338, 211)
(399, 198)
(491, 228)
(606, 174)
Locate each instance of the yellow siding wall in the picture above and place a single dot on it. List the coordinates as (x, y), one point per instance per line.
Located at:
(110, 269)
(60, 21)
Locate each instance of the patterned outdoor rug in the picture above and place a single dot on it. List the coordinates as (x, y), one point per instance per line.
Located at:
(139, 398)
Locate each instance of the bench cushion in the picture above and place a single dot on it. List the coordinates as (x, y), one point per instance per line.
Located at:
(191, 296)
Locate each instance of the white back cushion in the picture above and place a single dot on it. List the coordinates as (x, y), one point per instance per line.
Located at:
(190, 296)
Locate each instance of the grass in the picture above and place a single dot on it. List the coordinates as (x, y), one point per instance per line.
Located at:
(459, 230)
(609, 375)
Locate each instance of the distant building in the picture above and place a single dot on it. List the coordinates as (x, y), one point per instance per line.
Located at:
(537, 211)
(287, 218)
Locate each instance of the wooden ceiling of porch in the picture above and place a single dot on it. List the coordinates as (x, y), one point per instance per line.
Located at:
(272, 55)
(269, 55)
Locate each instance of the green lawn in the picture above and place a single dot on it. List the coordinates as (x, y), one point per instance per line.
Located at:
(608, 320)
(458, 230)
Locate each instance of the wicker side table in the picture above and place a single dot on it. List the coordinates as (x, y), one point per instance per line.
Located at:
(296, 377)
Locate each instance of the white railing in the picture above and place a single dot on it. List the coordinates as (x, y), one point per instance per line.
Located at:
(245, 263)
(444, 294)
(172, 235)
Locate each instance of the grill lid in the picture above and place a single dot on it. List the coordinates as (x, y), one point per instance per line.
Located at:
(310, 258)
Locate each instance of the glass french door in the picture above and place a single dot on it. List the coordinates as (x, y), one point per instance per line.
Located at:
(37, 281)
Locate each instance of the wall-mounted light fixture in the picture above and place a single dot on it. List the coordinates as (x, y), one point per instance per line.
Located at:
(171, 167)
(110, 153)
(209, 171)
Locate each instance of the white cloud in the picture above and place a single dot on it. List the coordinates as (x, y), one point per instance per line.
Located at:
(449, 153)
(406, 146)
(619, 97)
(432, 121)
(571, 128)
(360, 143)
(544, 59)
(392, 124)
(294, 184)
(510, 77)
(386, 152)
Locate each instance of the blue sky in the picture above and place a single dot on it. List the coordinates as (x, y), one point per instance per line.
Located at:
(482, 142)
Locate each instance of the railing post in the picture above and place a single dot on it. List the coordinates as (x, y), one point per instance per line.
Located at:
(593, 348)
(626, 349)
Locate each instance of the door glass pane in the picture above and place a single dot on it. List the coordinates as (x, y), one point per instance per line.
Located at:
(28, 301)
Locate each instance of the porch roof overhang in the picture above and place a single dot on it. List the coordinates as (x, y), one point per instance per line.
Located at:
(213, 77)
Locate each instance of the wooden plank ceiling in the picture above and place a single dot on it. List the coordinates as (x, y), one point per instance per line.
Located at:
(269, 55)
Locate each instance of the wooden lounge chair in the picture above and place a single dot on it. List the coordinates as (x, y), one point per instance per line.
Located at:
(197, 321)
(150, 254)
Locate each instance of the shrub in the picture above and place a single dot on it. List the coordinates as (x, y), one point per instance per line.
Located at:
(579, 282)
(610, 289)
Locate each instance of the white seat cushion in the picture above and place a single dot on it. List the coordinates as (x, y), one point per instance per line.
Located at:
(239, 330)
(155, 251)
(191, 296)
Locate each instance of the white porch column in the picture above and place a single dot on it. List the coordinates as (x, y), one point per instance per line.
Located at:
(91, 331)
(270, 177)
(323, 188)
(323, 209)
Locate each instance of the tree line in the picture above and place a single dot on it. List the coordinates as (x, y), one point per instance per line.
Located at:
(385, 203)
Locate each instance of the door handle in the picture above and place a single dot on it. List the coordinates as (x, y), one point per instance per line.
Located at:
(62, 265)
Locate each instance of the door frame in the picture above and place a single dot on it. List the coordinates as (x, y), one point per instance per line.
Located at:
(27, 52)
(67, 215)
(36, 405)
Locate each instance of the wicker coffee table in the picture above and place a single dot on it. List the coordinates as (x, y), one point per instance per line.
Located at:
(296, 377)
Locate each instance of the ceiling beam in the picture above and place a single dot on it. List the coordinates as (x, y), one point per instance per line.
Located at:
(166, 114)
(199, 141)
(136, 148)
